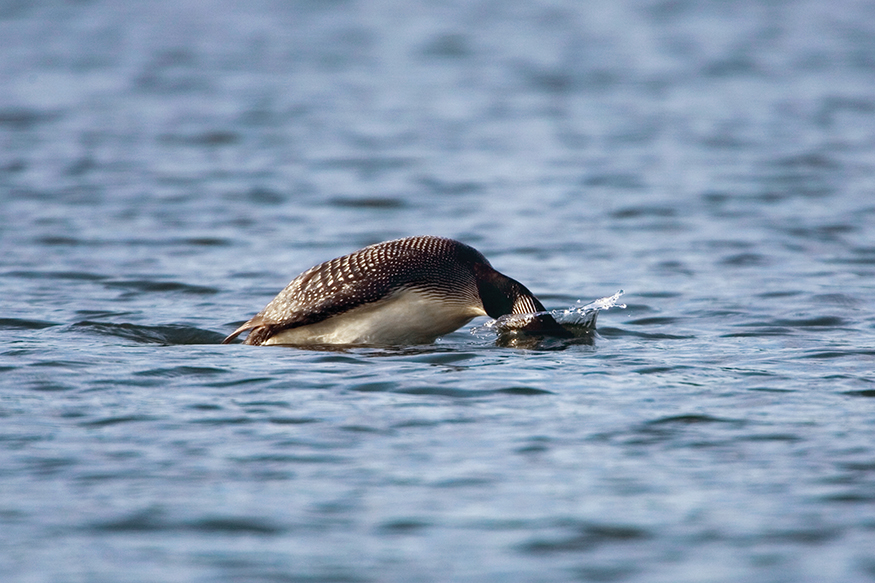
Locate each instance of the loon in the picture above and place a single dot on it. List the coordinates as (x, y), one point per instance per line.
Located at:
(400, 292)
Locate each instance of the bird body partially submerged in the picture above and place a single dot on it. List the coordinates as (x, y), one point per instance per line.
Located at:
(405, 317)
(406, 291)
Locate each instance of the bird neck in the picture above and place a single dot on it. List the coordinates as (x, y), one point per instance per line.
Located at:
(502, 295)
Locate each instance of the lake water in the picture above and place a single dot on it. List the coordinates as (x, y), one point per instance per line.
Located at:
(167, 167)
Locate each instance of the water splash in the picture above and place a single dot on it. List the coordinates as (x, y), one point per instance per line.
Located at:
(577, 319)
(584, 316)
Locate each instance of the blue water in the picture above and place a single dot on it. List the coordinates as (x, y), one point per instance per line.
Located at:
(167, 167)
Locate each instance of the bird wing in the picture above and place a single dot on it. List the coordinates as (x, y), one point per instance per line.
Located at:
(366, 276)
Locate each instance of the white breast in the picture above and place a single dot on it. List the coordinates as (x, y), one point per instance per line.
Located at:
(407, 317)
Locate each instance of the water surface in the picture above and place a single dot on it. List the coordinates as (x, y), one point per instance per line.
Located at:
(166, 170)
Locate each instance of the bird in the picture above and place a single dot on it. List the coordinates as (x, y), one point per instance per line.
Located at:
(407, 291)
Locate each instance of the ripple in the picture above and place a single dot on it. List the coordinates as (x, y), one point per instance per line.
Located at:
(206, 241)
(210, 138)
(787, 326)
(241, 382)
(404, 526)
(779, 294)
(587, 537)
(63, 275)
(839, 299)
(149, 286)
(868, 393)
(118, 420)
(375, 387)
(657, 369)
(367, 166)
(149, 521)
(466, 482)
(447, 46)
(663, 429)
(59, 240)
(806, 536)
(830, 354)
(448, 187)
(205, 407)
(808, 160)
(293, 420)
(392, 387)
(655, 321)
(643, 211)
(383, 203)
(523, 391)
(364, 429)
(691, 419)
(764, 331)
(49, 466)
(21, 118)
(21, 324)
(168, 335)
(234, 525)
(609, 332)
(444, 357)
(181, 371)
(815, 322)
(788, 437)
(851, 497)
(224, 421)
(442, 392)
(745, 260)
(49, 386)
(140, 522)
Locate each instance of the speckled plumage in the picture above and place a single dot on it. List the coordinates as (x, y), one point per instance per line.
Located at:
(408, 290)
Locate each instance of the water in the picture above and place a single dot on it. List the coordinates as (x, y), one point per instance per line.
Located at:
(522, 330)
(166, 169)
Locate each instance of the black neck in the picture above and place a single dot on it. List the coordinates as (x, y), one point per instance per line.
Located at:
(502, 295)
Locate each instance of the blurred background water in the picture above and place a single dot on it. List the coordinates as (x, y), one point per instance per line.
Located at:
(167, 167)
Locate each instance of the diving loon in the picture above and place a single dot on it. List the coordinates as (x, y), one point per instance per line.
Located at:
(400, 292)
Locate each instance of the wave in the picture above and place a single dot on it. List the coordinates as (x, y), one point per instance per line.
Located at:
(169, 334)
